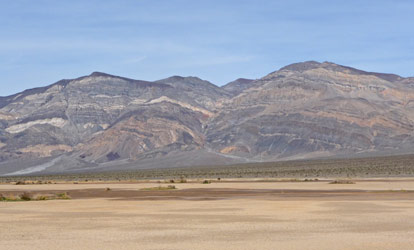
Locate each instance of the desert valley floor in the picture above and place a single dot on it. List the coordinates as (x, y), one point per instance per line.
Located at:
(226, 214)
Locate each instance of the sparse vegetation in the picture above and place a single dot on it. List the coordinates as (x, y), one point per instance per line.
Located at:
(42, 198)
(108, 189)
(9, 198)
(342, 182)
(206, 182)
(25, 196)
(307, 180)
(310, 170)
(34, 182)
(159, 188)
(62, 196)
(400, 191)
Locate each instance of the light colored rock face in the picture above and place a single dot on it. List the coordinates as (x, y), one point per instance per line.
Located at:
(6, 117)
(42, 150)
(182, 104)
(303, 110)
(56, 122)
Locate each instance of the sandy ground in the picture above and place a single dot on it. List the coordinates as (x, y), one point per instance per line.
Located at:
(371, 214)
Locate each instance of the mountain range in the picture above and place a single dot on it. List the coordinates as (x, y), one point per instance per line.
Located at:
(304, 110)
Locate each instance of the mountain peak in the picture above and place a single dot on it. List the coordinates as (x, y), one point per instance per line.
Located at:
(237, 86)
(183, 78)
(309, 65)
(97, 73)
(185, 81)
(341, 68)
(102, 74)
(175, 78)
(243, 80)
(302, 66)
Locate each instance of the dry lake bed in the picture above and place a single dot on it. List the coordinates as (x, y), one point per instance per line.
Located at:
(226, 214)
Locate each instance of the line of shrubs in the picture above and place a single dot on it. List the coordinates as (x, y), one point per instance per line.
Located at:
(29, 197)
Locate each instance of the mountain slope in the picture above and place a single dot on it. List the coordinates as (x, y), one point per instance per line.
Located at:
(316, 109)
(77, 114)
(303, 110)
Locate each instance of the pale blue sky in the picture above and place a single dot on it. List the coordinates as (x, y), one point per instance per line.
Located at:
(44, 41)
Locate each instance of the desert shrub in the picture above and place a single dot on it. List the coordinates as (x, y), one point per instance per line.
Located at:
(306, 180)
(12, 198)
(20, 183)
(342, 182)
(62, 196)
(206, 182)
(25, 196)
(41, 198)
(401, 190)
(172, 181)
(159, 188)
(107, 189)
(2, 198)
(182, 180)
(9, 198)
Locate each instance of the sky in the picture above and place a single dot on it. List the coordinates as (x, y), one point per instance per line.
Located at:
(44, 41)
